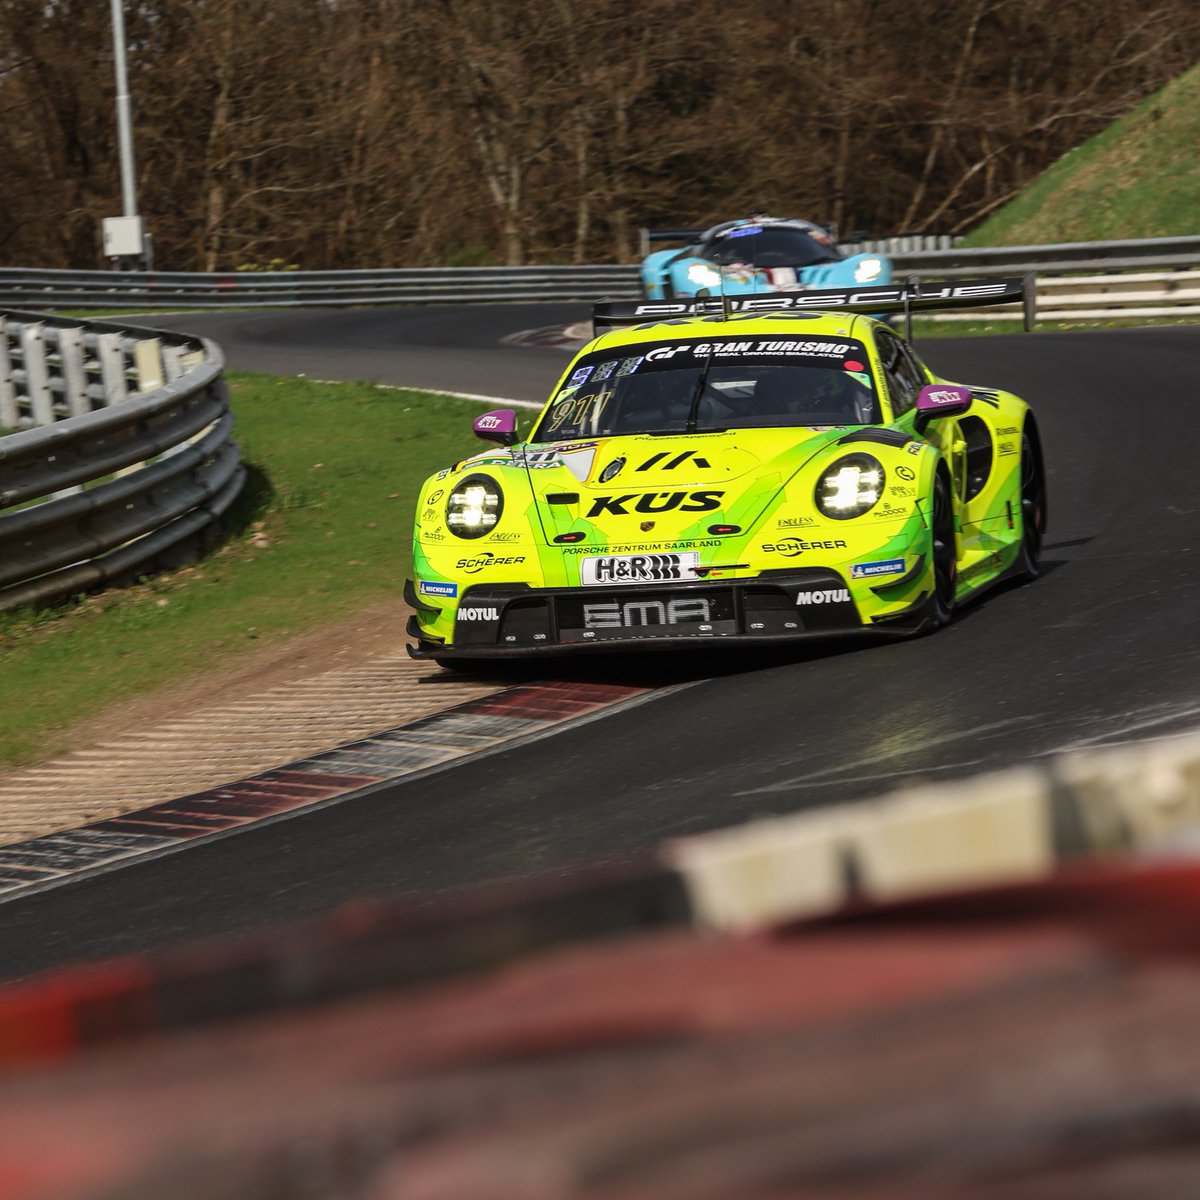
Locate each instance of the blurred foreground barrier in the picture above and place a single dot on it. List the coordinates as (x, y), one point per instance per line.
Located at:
(998, 828)
(115, 453)
(1006, 829)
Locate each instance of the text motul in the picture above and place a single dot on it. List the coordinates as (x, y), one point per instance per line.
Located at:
(826, 596)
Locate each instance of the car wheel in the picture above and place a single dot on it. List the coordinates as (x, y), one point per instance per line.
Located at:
(945, 563)
(1033, 506)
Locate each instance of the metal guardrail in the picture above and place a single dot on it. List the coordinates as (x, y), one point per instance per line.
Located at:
(115, 455)
(30, 288)
(417, 285)
(1060, 258)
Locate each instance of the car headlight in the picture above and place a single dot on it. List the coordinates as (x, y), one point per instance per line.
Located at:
(474, 507)
(703, 275)
(850, 487)
(868, 269)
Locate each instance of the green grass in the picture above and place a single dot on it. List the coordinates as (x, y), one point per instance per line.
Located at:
(323, 527)
(1138, 178)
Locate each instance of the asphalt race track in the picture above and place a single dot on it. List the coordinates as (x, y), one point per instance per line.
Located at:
(1104, 648)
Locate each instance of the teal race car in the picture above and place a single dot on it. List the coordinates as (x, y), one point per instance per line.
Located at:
(755, 255)
(752, 470)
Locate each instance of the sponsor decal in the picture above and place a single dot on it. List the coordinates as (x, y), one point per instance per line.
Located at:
(884, 511)
(505, 537)
(604, 370)
(744, 231)
(950, 396)
(479, 562)
(882, 566)
(903, 472)
(807, 348)
(655, 502)
(777, 302)
(434, 497)
(429, 514)
(629, 365)
(900, 490)
(442, 474)
(661, 352)
(677, 461)
(580, 376)
(612, 470)
(437, 589)
(915, 447)
(483, 613)
(795, 522)
(791, 547)
(671, 547)
(828, 596)
(571, 447)
(613, 614)
(639, 568)
(1005, 429)
(537, 460)
(646, 526)
(432, 535)
(488, 422)
(1008, 448)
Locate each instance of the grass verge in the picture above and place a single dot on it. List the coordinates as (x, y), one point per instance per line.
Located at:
(323, 527)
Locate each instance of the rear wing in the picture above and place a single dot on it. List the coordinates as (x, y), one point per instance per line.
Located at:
(909, 297)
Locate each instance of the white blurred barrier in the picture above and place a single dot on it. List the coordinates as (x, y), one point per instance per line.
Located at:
(1004, 827)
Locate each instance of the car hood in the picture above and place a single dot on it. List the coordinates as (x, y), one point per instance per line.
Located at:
(628, 490)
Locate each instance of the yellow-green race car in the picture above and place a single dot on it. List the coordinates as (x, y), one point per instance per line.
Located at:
(736, 470)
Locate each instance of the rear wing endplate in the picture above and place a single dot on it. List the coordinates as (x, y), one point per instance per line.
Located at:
(909, 297)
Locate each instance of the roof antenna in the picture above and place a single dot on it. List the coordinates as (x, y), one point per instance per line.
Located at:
(725, 310)
(914, 283)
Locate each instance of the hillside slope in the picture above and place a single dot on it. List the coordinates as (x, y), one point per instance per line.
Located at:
(1138, 178)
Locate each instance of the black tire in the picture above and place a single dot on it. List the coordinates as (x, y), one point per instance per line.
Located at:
(1033, 505)
(941, 548)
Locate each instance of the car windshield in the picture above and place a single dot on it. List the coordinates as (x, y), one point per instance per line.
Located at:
(771, 246)
(702, 386)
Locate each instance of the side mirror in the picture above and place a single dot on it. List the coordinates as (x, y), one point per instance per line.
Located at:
(497, 426)
(941, 400)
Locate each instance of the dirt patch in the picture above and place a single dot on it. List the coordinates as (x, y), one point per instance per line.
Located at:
(281, 702)
(370, 633)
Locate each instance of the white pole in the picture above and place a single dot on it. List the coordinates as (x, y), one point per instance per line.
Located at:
(124, 114)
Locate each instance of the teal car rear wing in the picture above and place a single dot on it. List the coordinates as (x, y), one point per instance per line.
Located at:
(909, 297)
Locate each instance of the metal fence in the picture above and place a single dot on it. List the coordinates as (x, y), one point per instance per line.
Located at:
(116, 456)
(1155, 285)
(248, 289)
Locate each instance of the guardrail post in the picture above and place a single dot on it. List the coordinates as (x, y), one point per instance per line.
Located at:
(37, 378)
(70, 349)
(148, 362)
(8, 391)
(112, 367)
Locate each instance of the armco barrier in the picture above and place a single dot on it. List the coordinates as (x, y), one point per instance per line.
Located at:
(1093, 283)
(116, 453)
(418, 285)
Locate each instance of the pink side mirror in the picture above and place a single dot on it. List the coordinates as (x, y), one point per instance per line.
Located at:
(499, 425)
(942, 400)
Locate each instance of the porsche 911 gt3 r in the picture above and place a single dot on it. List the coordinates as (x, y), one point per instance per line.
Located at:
(755, 255)
(764, 472)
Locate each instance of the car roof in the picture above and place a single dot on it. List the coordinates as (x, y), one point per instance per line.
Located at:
(726, 227)
(773, 324)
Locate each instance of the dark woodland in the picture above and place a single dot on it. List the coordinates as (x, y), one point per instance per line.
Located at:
(367, 133)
